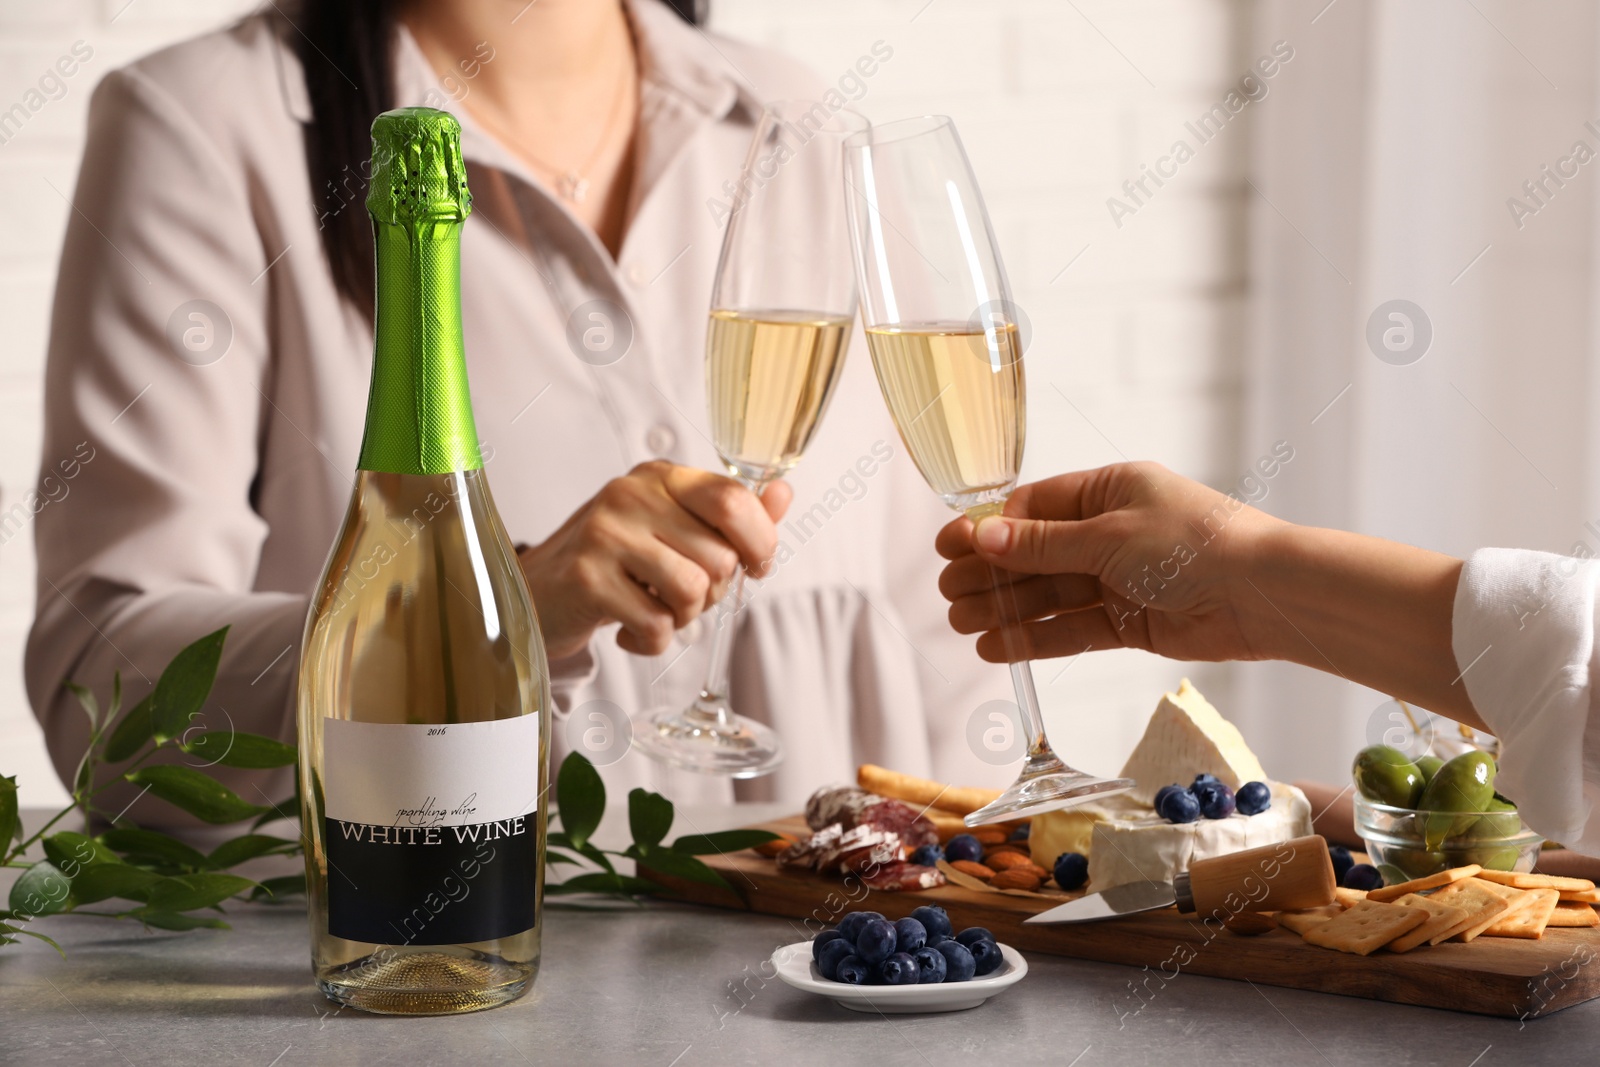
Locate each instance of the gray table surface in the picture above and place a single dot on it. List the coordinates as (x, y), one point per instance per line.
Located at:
(671, 986)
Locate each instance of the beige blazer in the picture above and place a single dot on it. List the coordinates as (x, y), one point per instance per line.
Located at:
(222, 464)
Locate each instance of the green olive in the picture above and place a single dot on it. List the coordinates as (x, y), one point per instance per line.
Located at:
(1429, 766)
(1386, 775)
(1466, 783)
(1494, 859)
(1415, 862)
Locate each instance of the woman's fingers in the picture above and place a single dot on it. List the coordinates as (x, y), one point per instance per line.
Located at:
(1060, 635)
(1038, 546)
(647, 624)
(954, 540)
(1030, 598)
(729, 508)
(776, 499)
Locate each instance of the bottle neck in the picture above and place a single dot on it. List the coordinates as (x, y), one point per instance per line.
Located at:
(419, 411)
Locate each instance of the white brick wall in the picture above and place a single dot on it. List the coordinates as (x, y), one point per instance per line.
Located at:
(1142, 334)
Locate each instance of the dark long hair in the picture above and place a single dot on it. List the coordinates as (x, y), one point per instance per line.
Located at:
(346, 49)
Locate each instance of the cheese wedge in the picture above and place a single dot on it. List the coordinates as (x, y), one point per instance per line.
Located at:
(1187, 736)
(1064, 830)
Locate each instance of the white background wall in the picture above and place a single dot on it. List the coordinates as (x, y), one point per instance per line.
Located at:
(1136, 349)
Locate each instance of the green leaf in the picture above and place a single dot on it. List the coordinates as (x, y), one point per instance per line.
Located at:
(726, 841)
(86, 700)
(681, 865)
(10, 821)
(649, 816)
(234, 852)
(182, 689)
(552, 856)
(601, 882)
(236, 749)
(168, 920)
(273, 890)
(72, 852)
(283, 809)
(198, 794)
(582, 796)
(112, 880)
(151, 847)
(187, 892)
(42, 890)
(47, 940)
(131, 733)
(586, 850)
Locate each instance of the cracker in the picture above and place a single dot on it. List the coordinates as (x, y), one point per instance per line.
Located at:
(1301, 921)
(1585, 896)
(1365, 927)
(1529, 918)
(1573, 913)
(1346, 897)
(1387, 893)
(1441, 917)
(1523, 880)
(1482, 905)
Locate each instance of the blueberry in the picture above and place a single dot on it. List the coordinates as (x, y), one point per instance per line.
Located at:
(1161, 794)
(877, 941)
(821, 940)
(1216, 800)
(899, 969)
(985, 956)
(1204, 779)
(1072, 870)
(1362, 876)
(1180, 806)
(1019, 835)
(935, 921)
(963, 847)
(850, 926)
(910, 935)
(926, 855)
(931, 966)
(1342, 862)
(1253, 798)
(853, 970)
(959, 965)
(971, 934)
(833, 953)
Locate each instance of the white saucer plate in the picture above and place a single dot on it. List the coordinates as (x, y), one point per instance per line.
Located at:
(796, 968)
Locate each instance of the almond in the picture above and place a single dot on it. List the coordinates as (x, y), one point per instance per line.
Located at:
(989, 835)
(772, 848)
(1016, 878)
(1005, 859)
(975, 870)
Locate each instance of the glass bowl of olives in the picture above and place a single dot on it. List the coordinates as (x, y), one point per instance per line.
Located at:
(1424, 816)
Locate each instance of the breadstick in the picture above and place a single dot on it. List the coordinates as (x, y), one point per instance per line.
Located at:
(958, 800)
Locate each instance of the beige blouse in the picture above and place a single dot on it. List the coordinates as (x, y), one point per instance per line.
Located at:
(222, 463)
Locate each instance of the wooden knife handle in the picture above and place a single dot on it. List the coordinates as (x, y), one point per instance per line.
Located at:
(1285, 876)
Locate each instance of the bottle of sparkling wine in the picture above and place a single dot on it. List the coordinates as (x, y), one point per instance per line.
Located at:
(424, 702)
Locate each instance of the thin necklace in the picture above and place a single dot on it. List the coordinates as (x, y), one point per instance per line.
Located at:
(572, 183)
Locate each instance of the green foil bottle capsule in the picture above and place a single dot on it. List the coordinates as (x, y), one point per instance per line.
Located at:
(424, 700)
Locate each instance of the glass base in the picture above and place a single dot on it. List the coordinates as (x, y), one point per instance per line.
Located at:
(708, 738)
(1046, 784)
(426, 983)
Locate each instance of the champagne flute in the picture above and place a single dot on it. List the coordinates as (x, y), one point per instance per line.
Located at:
(781, 310)
(943, 335)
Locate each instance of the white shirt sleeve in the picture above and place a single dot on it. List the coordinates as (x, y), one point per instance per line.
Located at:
(1523, 636)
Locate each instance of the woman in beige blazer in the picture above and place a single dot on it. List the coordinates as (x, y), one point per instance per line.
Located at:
(211, 342)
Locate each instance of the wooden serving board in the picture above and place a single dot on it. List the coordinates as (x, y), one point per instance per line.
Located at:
(1491, 976)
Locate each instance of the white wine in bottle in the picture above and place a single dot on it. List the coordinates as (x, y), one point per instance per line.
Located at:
(424, 701)
(769, 376)
(958, 397)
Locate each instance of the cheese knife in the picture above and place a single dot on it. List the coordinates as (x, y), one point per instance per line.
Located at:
(1285, 876)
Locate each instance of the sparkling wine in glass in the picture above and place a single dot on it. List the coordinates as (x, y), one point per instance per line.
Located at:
(781, 310)
(945, 343)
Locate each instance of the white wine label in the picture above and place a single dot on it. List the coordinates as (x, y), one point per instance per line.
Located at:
(431, 831)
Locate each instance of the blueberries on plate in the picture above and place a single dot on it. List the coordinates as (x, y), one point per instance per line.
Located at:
(1253, 798)
(1072, 870)
(822, 939)
(850, 926)
(899, 969)
(985, 956)
(1342, 862)
(910, 935)
(877, 940)
(959, 964)
(1362, 876)
(832, 954)
(973, 933)
(963, 847)
(931, 966)
(1204, 779)
(853, 970)
(1179, 806)
(1161, 794)
(1216, 800)
(935, 920)
(926, 855)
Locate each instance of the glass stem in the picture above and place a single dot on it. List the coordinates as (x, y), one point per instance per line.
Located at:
(713, 701)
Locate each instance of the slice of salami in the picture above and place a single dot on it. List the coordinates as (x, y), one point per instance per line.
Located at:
(838, 804)
(902, 876)
(899, 818)
(805, 854)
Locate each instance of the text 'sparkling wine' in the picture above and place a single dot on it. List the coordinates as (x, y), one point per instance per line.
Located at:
(424, 708)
